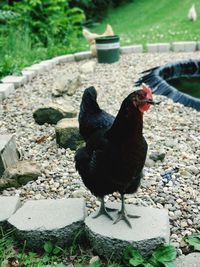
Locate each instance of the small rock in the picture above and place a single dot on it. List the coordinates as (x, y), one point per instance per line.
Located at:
(79, 193)
(67, 134)
(87, 67)
(177, 213)
(52, 113)
(157, 156)
(22, 172)
(66, 84)
(149, 163)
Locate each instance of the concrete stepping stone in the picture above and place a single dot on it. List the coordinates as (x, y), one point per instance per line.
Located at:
(8, 206)
(148, 231)
(67, 133)
(58, 221)
(191, 260)
(8, 152)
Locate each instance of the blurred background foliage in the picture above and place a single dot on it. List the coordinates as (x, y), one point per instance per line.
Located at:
(32, 30)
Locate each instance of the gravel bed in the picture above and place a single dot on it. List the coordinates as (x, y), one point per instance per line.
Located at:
(170, 128)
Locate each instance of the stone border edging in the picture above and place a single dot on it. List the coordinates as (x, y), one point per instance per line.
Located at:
(11, 82)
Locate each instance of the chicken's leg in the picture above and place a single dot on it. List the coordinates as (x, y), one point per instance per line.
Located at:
(123, 215)
(102, 210)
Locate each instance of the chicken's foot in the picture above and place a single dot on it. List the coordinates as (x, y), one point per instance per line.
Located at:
(123, 215)
(103, 210)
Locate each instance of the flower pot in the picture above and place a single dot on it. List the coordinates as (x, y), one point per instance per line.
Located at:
(108, 49)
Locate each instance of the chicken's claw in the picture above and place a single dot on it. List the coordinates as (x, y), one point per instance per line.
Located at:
(124, 217)
(103, 211)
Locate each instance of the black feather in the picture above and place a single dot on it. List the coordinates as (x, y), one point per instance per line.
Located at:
(91, 117)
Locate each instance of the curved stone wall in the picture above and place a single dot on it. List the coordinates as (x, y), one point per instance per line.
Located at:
(157, 78)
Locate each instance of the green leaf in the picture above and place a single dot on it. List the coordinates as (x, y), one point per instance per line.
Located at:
(168, 264)
(48, 246)
(164, 254)
(95, 264)
(194, 241)
(57, 250)
(148, 265)
(133, 256)
(60, 265)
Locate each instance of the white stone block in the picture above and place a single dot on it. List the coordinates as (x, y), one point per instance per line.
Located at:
(164, 47)
(65, 58)
(36, 67)
(16, 80)
(82, 55)
(6, 89)
(137, 48)
(30, 74)
(190, 46)
(131, 49)
(126, 50)
(152, 48)
(48, 64)
(178, 46)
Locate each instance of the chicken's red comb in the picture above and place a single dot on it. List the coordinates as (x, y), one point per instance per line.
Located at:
(147, 90)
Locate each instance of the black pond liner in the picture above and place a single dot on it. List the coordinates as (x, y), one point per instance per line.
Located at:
(156, 78)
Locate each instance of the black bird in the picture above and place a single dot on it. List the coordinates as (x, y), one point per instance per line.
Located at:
(113, 158)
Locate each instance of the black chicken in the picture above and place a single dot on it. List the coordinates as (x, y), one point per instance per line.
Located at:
(113, 158)
(91, 117)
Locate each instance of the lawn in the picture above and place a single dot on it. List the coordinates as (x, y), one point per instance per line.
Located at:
(152, 21)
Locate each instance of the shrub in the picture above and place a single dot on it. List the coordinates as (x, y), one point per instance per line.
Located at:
(95, 9)
(47, 19)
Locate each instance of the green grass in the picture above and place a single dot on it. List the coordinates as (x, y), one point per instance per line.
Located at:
(78, 253)
(152, 21)
(18, 51)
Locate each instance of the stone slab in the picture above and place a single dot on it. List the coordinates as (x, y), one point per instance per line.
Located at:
(147, 232)
(8, 206)
(65, 58)
(164, 47)
(178, 46)
(152, 48)
(37, 68)
(82, 55)
(8, 152)
(126, 50)
(6, 89)
(16, 80)
(191, 260)
(184, 46)
(131, 49)
(30, 74)
(48, 64)
(137, 48)
(52, 220)
(190, 46)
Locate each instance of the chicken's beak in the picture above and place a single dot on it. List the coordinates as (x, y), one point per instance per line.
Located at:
(151, 102)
